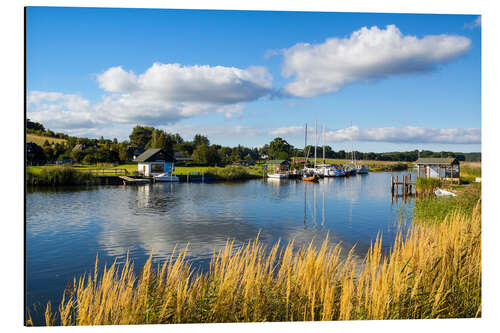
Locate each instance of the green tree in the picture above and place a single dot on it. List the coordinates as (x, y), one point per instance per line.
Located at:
(279, 149)
(205, 155)
(200, 140)
(78, 155)
(141, 136)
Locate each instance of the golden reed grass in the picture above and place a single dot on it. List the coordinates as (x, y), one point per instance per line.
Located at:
(433, 271)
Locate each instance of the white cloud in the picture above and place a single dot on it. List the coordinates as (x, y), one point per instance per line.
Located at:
(198, 84)
(293, 131)
(61, 111)
(476, 23)
(188, 131)
(116, 79)
(408, 134)
(163, 94)
(367, 54)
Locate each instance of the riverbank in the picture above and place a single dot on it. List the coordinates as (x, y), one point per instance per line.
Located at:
(432, 272)
(58, 176)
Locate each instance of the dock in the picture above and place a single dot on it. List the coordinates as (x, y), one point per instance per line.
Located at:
(134, 181)
(403, 187)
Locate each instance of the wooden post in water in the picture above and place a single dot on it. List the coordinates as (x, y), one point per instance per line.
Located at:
(392, 185)
(397, 185)
(404, 186)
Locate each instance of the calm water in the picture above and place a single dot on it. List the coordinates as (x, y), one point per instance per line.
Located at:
(67, 228)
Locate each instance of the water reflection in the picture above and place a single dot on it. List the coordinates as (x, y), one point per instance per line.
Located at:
(66, 229)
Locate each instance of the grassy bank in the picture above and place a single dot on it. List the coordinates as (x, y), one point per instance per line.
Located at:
(233, 173)
(58, 175)
(434, 271)
(429, 209)
(469, 171)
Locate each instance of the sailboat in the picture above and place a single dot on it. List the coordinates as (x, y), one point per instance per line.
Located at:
(309, 176)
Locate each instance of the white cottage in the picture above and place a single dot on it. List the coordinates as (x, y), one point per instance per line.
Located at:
(154, 162)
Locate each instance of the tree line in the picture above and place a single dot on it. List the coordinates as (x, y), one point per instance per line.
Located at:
(200, 149)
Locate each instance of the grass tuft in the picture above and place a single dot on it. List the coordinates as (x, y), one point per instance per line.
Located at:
(432, 271)
(58, 175)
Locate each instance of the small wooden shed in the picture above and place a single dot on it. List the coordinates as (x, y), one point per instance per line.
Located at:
(436, 167)
(154, 162)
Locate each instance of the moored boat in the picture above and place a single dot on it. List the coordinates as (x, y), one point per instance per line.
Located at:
(313, 178)
(338, 172)
(277, 175)
(350, 170)
(166, 177)
(443, 193)
(363, 169)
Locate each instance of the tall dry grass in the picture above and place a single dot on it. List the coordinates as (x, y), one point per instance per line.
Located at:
(433, 271)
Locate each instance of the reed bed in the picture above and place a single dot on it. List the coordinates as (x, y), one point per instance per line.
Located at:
(58, 175)
(432, 271)
(231, 173)
(469, 172)
(427, 185)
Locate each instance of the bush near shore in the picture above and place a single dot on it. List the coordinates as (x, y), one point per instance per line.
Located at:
(232, 173)
(54, 176)
(433, 271)
(425, 185)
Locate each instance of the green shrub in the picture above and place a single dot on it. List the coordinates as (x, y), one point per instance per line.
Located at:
(230, 173)
(54, 176)
(427, 185)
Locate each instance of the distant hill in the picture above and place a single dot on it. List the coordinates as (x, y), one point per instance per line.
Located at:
(39, 140)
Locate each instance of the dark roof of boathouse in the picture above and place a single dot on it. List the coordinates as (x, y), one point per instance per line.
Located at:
(153, 155)
(437, 161)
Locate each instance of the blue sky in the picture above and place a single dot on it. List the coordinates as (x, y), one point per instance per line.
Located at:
(244, 77)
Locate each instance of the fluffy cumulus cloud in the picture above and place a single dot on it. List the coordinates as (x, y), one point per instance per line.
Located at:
(367, 54)
(215, 131)
(61, 111)
(409, 134)
(163, 94)
(196, 84)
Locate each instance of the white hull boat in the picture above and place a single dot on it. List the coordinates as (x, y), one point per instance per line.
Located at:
(362, 170)
(442, 193)
(165, 177)
(277, 175)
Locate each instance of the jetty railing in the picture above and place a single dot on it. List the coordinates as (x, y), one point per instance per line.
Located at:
(107, 172)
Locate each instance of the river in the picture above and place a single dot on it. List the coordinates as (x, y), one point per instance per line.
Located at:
(66, 228)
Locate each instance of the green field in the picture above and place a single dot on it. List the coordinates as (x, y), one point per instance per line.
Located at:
(40, 140)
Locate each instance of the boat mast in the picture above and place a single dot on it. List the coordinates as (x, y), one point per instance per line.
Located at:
(305, 147)
(323, 140)
(315, 140)
(352, 147)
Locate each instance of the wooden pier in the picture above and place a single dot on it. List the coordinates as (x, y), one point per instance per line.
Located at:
(134, 181)
(406, 184)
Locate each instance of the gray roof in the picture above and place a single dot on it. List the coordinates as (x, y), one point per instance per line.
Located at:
(151, 155)
(437, 160)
